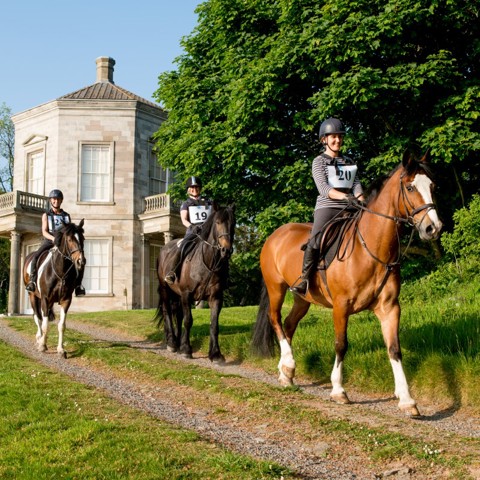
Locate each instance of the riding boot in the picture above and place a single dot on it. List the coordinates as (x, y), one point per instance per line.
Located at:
(80, 291)
(31, 285)
(79, 288)
(171, 276)
(310, 260)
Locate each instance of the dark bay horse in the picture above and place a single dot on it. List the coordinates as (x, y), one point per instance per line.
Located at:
(203, 276)
(58, 269)
(365, 276)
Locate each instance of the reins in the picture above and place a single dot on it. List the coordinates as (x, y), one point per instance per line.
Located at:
(67, 256)
(408, 219)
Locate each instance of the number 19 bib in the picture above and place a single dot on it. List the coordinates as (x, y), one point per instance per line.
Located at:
(199, 213)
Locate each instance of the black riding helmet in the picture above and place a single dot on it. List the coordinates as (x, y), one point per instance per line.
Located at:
(193, 182)
(331, 126)
(55, 193)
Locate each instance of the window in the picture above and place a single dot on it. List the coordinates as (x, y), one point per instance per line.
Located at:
(160, 178)
(96, 177)
(35, 164)
(97, 271)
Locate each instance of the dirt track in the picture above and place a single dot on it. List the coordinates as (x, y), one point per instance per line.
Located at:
(312, 454)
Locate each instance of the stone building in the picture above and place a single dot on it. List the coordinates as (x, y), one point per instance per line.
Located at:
(95, 145)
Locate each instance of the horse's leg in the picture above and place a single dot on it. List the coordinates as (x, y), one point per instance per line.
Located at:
(42, 340)
(64, 306)
(37, 315)
(214, 353)
(168, 316)
(185, 347)
(286, 365)
(340, 323)
(389, 316)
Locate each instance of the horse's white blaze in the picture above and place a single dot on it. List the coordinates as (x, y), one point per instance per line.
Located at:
(423, 184)
(401, 386)
(337, 378)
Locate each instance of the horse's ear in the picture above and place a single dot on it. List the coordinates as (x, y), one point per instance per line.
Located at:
(426, 157)
(80, 225)
(409, 161)
(233, 207)
(214, 206)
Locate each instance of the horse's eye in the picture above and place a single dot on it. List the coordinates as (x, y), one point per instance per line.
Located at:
(410, 187)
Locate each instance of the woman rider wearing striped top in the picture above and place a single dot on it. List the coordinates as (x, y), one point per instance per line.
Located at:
(337, 181)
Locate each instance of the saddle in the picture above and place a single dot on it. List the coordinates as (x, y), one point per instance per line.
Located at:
(332, 237)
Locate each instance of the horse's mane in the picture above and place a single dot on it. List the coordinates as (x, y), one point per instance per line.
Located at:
(376, 186)
(67, 229)
(226, 214)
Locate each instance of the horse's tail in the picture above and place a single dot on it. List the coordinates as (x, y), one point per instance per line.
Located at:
(263, 341)
(159, 317)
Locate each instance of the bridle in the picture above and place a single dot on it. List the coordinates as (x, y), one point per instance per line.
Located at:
(408, 219)
(65, 256)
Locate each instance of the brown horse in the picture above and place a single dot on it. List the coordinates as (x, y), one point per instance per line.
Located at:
(365, 276)
(58, 269)
(203, 276)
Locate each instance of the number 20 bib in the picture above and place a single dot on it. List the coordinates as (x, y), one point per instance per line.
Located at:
(341, 176)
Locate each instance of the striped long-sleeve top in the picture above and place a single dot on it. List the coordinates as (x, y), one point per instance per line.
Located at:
(337, 168)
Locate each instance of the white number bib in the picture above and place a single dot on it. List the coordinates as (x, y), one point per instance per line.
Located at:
(341, 176)
(199, 213)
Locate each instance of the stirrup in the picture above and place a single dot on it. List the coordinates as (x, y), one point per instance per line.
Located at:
(301, 288)
(170, 278)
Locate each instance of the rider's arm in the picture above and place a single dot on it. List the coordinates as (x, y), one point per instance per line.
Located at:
(45, 231)
(185, 218)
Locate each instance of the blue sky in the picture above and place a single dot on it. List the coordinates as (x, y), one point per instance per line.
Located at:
(50, 46)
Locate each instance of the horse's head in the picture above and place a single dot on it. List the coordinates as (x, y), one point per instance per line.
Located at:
(221, 225)
(70, 241)
(416, 198)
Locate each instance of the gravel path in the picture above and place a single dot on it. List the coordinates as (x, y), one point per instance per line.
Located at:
(308, 463)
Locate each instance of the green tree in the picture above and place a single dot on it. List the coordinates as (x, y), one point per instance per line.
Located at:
(7, 148)
(258, 76)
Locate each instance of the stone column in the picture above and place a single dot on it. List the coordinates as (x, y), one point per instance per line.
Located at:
(145, 272)
(15, 277)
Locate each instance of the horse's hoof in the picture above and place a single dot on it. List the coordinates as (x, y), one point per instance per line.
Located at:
(218, 360)
(285, 381)
(171, 349)
(340, 398)
(62, 354)
(410, 411)
(42, 348)
(189, 356)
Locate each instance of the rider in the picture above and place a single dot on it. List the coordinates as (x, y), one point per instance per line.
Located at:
(194, 211)
(52, 220)
(338, 185)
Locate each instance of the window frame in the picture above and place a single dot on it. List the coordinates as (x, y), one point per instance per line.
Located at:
(110, 168)
(109, 267)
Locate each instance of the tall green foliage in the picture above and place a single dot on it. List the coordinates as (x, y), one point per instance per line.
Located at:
(463, 241)
(258, 76)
